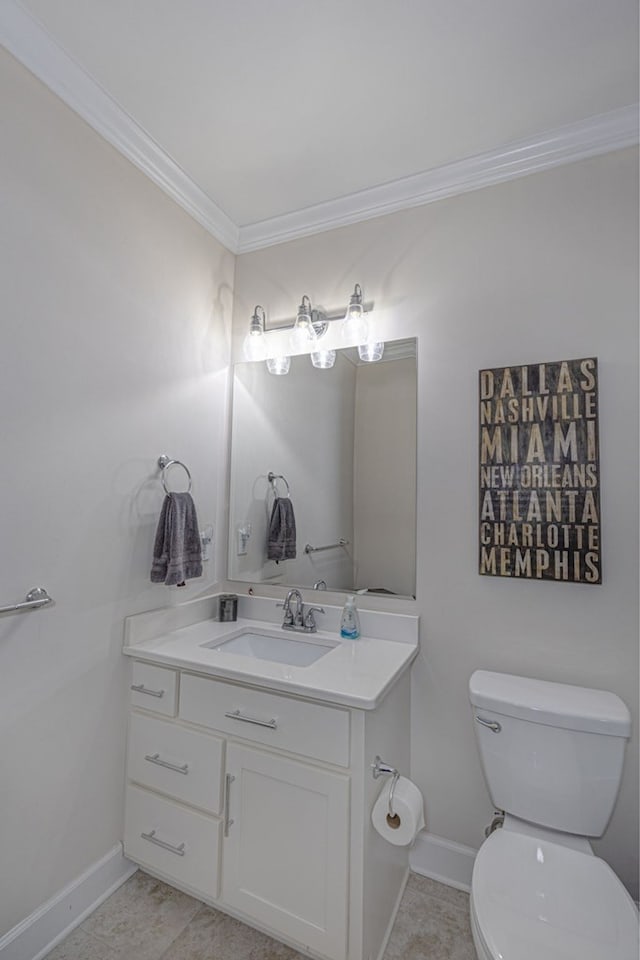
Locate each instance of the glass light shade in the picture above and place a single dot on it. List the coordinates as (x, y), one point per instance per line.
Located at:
(254, 346)
(302, 337)
(278, 366)
(370, 352)
(323, 359)
(303, 334)
(354, 324)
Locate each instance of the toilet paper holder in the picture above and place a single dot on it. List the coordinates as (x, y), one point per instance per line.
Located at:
(379, 767)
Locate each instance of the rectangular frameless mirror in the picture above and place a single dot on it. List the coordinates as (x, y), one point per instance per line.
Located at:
(342, 443)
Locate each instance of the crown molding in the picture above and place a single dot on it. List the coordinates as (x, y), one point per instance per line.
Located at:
(576, 141)
(30, 43)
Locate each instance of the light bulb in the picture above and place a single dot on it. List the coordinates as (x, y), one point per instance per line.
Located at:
(355, 328)
(254, 345)
(303, 332)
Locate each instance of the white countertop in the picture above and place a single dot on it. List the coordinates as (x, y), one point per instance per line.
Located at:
(355, 673)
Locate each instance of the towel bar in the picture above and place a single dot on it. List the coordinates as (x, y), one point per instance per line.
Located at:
(38, 597)
(328, 546)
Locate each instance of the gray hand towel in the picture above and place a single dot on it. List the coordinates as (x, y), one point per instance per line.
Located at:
(177, 552)
(281, 541)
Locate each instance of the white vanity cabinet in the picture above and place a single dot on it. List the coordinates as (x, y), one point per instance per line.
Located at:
(259, 804)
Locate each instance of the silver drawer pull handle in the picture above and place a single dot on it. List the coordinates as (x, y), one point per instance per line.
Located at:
(492, 724)
(151, 837)
(236, 715)
(179, 768)
(140, 688)
(228, 780)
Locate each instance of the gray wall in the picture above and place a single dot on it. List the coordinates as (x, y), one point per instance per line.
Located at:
(539, 269)
(384, 489)
(116, 313)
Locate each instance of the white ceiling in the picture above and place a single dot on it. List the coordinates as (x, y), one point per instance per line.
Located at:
(274, 106)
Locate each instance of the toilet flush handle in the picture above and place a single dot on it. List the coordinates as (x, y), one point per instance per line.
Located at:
(493, 725)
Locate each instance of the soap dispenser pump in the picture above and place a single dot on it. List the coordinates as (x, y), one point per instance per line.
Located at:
(350, 622)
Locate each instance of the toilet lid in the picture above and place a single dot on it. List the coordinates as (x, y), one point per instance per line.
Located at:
(533, 899)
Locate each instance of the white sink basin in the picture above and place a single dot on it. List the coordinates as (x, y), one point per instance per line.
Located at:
(295, 650)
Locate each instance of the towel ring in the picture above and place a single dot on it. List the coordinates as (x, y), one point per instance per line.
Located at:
(272, 477)
(164, 463)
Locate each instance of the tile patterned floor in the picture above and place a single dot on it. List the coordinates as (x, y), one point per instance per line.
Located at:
(148, 920)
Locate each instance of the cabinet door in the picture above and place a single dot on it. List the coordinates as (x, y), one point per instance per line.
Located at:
(286, 849)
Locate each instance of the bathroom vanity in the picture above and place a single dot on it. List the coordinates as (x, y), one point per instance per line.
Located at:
(249, 780)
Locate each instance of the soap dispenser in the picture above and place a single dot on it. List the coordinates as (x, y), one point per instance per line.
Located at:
(350, 622)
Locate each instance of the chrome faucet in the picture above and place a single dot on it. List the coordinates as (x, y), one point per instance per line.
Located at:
(293, 621)
(298, 620)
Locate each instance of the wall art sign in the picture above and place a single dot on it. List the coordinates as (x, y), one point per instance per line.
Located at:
(539, 472)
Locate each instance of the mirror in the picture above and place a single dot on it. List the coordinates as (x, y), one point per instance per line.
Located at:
(342, 443)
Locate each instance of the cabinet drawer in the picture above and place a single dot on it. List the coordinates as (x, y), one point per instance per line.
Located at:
(183, 763)
(179, 843)
(154, 688)
(310, 729)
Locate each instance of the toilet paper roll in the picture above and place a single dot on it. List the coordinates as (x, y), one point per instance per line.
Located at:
(408, 808)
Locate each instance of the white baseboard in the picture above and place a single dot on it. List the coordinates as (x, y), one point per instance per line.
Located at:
(442, 860)
(39, 933)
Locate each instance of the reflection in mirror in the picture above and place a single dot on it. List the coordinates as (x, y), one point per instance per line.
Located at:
(341, 443)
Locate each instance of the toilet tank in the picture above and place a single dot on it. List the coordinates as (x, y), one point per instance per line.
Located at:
(552, 753)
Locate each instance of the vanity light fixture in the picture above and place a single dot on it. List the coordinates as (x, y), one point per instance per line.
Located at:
(354, 324)
(254, 345)
(309, 327)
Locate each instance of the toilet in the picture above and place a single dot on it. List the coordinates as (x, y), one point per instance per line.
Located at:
(552, 755)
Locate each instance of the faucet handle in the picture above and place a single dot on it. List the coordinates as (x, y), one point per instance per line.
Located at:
(288, 613)
(309, 620)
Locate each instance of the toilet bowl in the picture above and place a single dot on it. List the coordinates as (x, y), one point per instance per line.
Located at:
(552, 755)
(537, 900)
